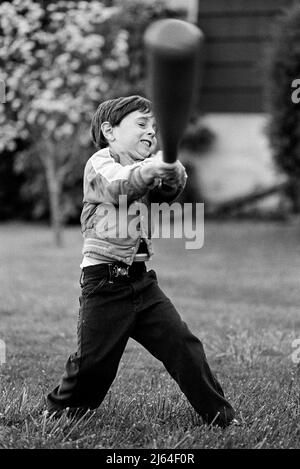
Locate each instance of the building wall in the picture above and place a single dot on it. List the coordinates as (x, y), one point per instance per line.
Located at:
(237, 36)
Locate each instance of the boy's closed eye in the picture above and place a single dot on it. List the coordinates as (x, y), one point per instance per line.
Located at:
(143, 123)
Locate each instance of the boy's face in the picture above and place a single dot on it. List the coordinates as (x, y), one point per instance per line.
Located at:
(135, 135)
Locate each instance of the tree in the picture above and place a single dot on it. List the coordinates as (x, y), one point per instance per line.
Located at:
(58, 63)
(59, 60)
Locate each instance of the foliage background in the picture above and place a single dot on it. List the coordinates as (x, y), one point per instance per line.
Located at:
(59, 60)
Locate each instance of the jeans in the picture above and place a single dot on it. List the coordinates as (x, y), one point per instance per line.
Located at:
(113, 310)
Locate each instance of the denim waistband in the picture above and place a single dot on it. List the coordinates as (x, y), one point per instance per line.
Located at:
(104, 270)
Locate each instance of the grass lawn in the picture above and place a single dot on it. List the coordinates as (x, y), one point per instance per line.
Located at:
(239, 293)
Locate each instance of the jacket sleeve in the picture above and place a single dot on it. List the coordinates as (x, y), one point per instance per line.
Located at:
(165, 193)
(105, 180)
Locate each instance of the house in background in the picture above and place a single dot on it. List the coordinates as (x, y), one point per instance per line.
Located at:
(237, 37)
(233, 93)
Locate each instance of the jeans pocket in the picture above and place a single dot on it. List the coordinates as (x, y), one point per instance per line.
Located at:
(89, 288)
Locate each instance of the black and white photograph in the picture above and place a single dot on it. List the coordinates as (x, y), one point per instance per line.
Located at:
(149, 227)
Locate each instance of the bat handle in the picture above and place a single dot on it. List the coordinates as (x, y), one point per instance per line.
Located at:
(169, 154)
(171, 165)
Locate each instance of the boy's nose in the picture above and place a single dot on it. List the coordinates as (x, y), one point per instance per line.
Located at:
(151, 131)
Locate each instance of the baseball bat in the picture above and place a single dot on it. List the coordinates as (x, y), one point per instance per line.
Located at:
(173, 51)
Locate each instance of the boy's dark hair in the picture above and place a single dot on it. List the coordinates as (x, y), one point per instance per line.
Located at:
(113, 111)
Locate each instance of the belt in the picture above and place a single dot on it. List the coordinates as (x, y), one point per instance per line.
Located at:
(114, 270)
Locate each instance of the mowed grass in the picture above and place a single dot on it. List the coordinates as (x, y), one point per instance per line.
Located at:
(239, 293)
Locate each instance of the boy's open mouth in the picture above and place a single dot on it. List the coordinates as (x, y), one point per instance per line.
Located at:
(147, 142)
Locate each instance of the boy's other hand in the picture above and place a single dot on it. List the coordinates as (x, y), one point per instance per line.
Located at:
(175, 175)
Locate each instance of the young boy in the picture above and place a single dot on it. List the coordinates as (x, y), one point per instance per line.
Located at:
(120, 298)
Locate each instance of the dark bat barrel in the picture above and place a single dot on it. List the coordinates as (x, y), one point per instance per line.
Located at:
(173, 51)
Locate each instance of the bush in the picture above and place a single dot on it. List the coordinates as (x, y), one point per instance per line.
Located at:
(284, 127)
(59, 60)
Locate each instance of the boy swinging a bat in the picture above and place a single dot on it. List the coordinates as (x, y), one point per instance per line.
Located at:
(120, 297)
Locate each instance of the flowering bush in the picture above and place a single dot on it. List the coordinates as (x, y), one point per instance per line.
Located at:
(58, 62)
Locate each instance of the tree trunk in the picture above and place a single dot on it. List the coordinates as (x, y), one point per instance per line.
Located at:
(55, 192)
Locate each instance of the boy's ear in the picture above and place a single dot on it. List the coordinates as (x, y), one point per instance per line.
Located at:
(107, 131)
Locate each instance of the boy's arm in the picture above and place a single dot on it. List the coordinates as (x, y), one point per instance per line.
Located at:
(105, 179)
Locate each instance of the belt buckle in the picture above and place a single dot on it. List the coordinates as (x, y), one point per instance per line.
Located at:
(120, 271)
